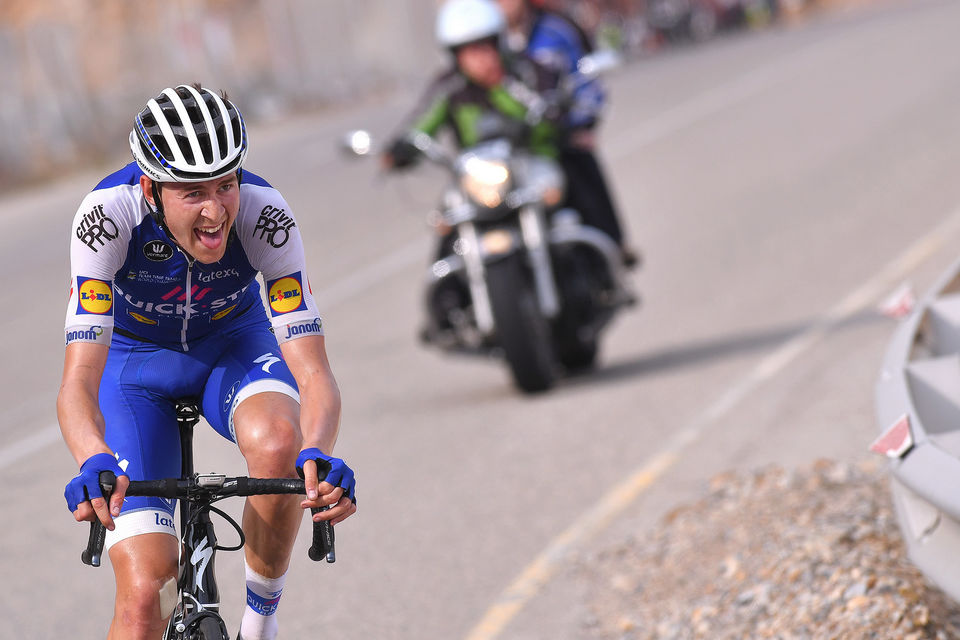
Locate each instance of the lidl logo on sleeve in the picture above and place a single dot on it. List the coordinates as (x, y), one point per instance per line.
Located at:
(286, 294)
(95, 296)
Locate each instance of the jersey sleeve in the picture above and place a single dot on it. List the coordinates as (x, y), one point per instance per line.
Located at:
(101, 231)
(272, 242)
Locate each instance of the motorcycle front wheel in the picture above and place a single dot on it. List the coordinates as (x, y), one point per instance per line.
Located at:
(522, 332)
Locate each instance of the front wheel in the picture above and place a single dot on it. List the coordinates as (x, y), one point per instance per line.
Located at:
(211, 628)
(522, 331)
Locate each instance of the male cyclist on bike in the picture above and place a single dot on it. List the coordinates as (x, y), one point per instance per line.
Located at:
(164, 305)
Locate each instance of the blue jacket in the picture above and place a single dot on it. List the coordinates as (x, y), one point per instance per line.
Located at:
(557, 42)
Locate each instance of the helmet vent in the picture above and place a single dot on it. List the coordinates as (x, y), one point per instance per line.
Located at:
(238, 134)
(162, 147)
(185, 148)
(205, 147)
(196, 116)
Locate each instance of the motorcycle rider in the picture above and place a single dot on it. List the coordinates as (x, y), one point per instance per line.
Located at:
(556, 41)
(488, 90)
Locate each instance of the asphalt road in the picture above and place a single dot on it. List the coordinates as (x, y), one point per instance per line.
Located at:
(779, 183)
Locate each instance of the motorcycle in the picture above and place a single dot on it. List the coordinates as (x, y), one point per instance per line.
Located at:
(519, 276)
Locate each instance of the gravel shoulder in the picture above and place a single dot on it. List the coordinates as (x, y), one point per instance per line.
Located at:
(811, 553)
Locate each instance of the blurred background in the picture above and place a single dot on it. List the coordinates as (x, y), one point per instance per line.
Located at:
(74, 69)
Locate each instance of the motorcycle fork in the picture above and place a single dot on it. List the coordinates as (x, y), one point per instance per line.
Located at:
(477, 281)
(533, 229)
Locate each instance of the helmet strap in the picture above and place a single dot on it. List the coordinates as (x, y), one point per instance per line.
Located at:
(157, 213)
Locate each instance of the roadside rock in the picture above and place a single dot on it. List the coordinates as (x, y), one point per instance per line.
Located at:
(810, 554)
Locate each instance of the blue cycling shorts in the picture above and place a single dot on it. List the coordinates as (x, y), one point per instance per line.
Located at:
(142, 383)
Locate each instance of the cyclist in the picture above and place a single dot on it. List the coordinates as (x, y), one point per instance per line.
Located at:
(555, 40)
(164, 305)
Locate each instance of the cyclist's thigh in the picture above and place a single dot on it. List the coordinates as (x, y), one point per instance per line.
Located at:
(250, 364)
(141, 428)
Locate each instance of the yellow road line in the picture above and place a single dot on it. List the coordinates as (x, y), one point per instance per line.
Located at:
(533, 578)
(539, 572)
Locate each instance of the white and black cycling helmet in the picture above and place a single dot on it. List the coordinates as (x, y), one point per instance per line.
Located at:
(188, 134)
(461, 22)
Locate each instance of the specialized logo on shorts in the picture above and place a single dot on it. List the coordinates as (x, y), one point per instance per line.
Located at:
(140, 318)
(95, 296)
(157, 251)
(286, 294)
(96, 229)
(275, 225)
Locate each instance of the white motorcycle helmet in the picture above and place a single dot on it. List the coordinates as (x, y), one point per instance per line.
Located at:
(461, 22)
(188, 134)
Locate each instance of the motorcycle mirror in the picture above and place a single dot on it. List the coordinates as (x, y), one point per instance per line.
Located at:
(358, 142)
(598, 62)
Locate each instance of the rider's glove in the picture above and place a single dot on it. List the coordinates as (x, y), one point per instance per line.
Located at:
(331, 470)
(86, 486)
(403, 153)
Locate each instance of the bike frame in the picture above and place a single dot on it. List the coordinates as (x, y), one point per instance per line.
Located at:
(197, 590)
(198, 597)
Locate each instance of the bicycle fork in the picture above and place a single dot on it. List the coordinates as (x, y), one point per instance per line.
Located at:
(198, 546)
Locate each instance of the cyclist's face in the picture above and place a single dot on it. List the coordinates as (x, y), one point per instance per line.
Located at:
(480, 61)
(200, 214)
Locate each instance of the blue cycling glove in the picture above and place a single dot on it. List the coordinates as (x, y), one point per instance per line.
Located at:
(337, 472)
(86, 485)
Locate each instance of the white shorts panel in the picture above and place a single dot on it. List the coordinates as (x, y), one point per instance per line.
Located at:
(139, 522)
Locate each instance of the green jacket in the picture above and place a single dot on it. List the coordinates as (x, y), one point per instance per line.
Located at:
(474, 114)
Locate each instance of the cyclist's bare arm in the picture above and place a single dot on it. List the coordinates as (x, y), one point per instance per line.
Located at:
(319, 418)
(81, 422)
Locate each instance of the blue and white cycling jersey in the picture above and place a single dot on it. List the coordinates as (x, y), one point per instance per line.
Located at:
(128, 275)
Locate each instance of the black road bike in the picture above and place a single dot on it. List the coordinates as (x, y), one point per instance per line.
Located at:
(197, 612)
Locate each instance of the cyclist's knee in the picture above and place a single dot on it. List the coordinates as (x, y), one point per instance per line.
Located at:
(146, 602)
(269, 440)
(146, 569)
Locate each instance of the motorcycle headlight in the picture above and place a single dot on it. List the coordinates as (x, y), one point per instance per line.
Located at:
(486, 182)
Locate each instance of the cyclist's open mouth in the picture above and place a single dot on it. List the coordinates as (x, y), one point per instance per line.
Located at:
(210, 237)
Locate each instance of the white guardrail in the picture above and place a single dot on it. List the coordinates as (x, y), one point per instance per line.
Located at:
(918, 409)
